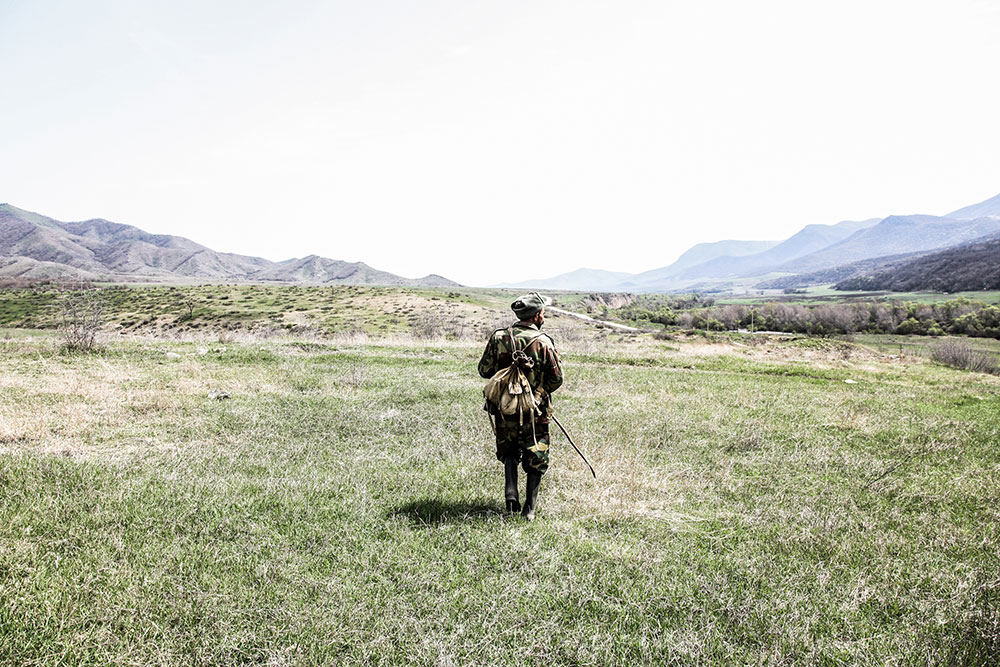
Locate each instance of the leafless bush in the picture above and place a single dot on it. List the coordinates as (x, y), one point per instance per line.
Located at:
(430, 324)
(567, 333)
(356, 373)
(82, 316)
(961, 355)
(426, 325)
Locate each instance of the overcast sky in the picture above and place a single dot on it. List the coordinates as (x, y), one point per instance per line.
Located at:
(496, 141)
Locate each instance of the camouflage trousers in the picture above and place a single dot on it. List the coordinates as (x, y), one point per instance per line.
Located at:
(514, 439)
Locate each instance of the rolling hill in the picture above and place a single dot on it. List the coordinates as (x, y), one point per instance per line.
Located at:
(894, 235)
(823, 253)
(984, 209)
(838, 273)
(807, 240)
(33, 246)
(699, 255)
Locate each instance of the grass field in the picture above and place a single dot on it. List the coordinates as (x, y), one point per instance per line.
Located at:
(818, 295)
(174, 310)
(921, 346)
(771, 501)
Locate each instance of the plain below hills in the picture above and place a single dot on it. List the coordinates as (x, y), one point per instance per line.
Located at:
(37, 247)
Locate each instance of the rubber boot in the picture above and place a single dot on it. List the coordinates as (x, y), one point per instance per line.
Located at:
(510, 484)
(531, 494)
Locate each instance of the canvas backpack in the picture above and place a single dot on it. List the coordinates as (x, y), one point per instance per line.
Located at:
(509, 391)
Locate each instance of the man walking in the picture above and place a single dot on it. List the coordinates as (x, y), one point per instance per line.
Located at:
(524, 439)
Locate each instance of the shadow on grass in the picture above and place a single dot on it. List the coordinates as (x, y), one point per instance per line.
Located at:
(434, 510)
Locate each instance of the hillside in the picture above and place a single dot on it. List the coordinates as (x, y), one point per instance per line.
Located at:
(815, 254)
(984, 209)
(974, 266)
(809, 239)
(33, 246)
(599, 280)
(706, 252)
(838, 273)
(894, 235)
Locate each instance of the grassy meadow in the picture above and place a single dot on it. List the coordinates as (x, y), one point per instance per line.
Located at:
(326, 493)
(819, 295)
(183, 310)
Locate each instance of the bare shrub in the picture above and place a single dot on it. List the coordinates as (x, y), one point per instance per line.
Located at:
(568, 333)
(957, 354)
(426, 325)
(82, 316)
(356, 373)
(430, 324)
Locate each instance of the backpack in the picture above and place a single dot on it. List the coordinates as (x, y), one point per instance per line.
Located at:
(509, 391)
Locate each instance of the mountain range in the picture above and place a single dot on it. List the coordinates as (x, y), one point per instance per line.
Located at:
(33, 246)
(817, 254)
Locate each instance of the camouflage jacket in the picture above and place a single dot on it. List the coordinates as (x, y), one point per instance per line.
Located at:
(546, 375)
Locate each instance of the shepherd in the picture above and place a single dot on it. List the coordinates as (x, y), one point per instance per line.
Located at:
(523, 367)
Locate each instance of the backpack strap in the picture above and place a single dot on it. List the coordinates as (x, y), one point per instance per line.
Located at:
(513, 341)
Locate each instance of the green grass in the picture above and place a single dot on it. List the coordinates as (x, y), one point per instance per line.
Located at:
(820, 295)
(183, 309)
(344, 506)
(921, 345)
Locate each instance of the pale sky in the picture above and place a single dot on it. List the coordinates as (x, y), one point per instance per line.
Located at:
(496, 141)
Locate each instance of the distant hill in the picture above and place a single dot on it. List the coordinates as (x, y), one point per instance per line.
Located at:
(968, 267)
(315, 269)
(582, 279)
(838, 273)
(807, 240)
(34, 246)
(675, 274)
(894, 235)
(705, 252)
(984, 209)
(599, 280)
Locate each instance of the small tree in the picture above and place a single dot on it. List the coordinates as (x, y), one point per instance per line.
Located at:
(82, 318)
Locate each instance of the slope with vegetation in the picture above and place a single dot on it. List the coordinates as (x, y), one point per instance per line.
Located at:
(181, 310)
(895, 235)
(969, 267)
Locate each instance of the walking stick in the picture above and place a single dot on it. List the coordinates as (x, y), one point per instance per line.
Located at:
(563, 429)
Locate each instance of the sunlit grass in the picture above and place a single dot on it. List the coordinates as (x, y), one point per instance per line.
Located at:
(343, 505)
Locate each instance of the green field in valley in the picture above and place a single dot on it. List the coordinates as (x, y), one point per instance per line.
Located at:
(817, 295)
(333, 498)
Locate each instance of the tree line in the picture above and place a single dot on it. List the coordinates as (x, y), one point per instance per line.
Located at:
(958, 316)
